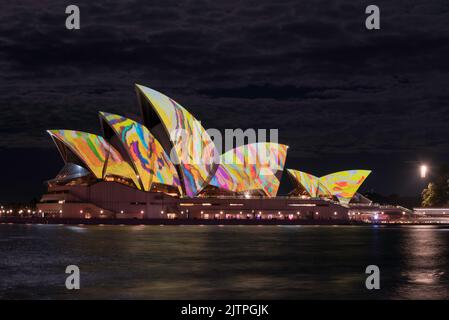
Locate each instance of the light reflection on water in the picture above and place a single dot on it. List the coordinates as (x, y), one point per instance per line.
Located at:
(213, 262)
(425, 263)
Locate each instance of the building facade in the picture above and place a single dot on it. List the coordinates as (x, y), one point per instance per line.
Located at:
(164, 164)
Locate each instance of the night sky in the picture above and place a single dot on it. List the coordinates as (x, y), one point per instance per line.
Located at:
(342, 97)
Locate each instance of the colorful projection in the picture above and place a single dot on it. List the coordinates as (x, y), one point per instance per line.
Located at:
(195, 151)
(117, 166)
(271, 163)
(250, 167)
(309, 182)
(306, 180)
(89, 148)
(147, 155)
(93, 151)
(344, 184)
(323, 191)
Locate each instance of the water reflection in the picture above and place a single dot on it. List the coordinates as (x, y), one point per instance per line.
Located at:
(424, 275)
(223, 262)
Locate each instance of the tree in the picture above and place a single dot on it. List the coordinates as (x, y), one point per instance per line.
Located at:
(437, 191)
(431, 196)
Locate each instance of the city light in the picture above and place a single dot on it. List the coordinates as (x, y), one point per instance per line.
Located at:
(423, 171)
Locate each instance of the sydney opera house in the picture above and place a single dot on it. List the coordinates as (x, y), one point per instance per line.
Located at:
(165, 165)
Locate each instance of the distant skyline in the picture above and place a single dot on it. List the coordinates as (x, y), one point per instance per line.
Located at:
(341, 96)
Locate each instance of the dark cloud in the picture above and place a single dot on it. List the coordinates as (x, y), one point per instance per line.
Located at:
(285, 92)
(309, 68)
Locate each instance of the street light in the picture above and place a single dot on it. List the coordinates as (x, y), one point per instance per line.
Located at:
(423, 171)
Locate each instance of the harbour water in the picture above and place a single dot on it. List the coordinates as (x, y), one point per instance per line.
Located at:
(223, 262)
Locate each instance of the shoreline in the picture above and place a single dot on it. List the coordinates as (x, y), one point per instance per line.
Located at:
(199, 222)
(102, 221)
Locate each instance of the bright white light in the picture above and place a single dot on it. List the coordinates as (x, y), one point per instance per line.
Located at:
(423, 170)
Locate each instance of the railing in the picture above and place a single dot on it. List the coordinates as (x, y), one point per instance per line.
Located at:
(294, 198)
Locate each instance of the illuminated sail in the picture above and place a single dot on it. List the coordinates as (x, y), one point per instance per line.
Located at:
(94, 151)
(251, 167)
(194, 149)
(305, 180)
(344, 184)
(148, 157)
